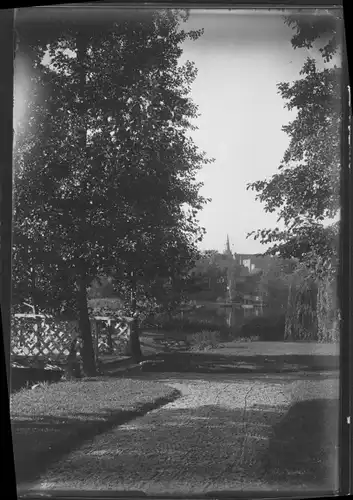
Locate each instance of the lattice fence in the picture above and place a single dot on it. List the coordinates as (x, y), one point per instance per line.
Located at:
(111, 336)
(49, 339)
(44, 338)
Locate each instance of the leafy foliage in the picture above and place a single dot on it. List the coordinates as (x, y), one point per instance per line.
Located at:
(104, 166)
(311, 27)
(305, 191)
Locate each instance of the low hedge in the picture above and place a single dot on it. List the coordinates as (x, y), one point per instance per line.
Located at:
(270, 328)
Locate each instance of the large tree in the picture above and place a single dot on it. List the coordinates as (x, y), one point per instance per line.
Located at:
(306, 190)
(104, 164)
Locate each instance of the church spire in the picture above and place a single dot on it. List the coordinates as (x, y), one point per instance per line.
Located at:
(227, 249)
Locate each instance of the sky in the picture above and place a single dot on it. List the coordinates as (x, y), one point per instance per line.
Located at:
(241, 57)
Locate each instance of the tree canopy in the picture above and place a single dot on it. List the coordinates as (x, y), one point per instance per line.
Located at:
(305, 192)
(104, 166)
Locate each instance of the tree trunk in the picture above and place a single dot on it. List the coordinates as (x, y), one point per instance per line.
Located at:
(327, 312)
(288, 330)
(88, 356)
(134, 344)
(134, 341)
(73, 365)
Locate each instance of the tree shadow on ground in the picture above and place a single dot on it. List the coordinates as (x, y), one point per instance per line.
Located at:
(304, 444)
(213, 448)
(39, 441)
(204, 362)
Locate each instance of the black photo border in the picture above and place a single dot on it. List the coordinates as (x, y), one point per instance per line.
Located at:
(7, 47)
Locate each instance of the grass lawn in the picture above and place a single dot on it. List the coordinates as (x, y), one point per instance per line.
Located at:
(49, 421)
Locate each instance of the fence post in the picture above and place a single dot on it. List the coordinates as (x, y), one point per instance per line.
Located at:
(110, 340)
(96, 347)
(127, 347)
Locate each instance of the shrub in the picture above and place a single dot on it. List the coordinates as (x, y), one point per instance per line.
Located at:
(205, 339)
(270, 328)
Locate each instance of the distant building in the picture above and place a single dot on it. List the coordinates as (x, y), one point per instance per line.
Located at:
(253, 262)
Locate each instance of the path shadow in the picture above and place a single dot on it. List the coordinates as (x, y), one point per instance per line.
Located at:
(39, 441)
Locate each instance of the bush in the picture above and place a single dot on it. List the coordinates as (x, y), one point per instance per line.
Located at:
(205, 339)
(266, 328)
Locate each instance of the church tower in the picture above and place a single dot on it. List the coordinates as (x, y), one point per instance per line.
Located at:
(227, 250)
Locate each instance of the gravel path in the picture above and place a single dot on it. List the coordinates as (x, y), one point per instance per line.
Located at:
(210, 439)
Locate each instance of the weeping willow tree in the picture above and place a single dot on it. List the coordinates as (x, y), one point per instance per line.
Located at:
(328, 313)
(313, 310)
(301, 317)
(328, 308)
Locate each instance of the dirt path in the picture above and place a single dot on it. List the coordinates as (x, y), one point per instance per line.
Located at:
(213, 438)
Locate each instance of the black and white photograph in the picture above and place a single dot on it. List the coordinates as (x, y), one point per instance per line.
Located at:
(175, 315)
